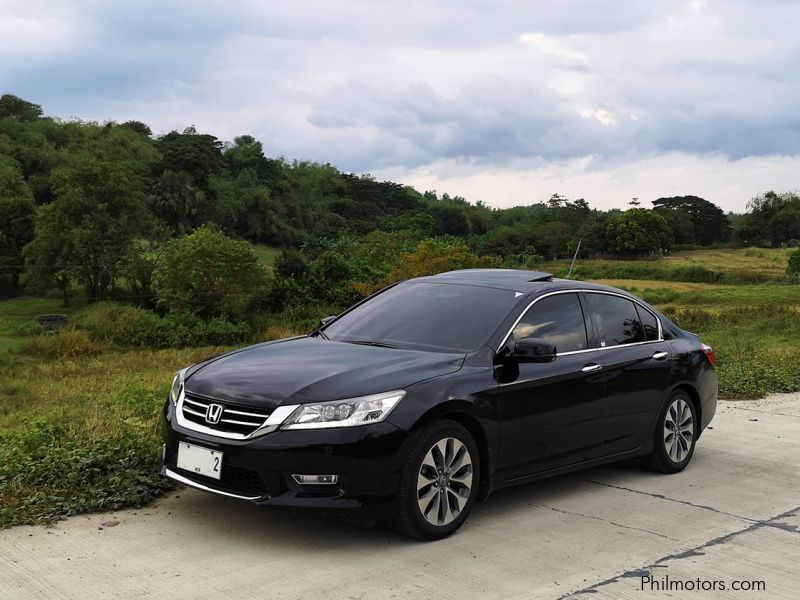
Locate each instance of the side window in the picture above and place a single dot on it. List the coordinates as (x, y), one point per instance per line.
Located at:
(649, 323)
(557, 319)
(616, 319)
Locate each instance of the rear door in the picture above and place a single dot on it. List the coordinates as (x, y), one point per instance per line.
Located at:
(551, 414)
(636, 367)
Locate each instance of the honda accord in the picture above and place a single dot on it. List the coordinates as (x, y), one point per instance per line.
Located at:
(420, 400)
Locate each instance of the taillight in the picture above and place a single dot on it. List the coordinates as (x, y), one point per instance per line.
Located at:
(709, 352)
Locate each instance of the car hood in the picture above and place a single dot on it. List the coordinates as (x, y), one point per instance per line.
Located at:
(310, 369)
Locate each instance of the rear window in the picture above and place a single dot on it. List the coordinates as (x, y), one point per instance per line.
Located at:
(616, 320)
(649, 323)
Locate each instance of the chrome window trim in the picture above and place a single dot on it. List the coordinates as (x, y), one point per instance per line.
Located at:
(186, 481)
(272, 422)
(588, 291)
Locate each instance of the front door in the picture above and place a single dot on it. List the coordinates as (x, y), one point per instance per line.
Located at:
(551, 414)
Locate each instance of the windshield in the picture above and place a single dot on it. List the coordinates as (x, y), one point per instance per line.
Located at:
(436, 317)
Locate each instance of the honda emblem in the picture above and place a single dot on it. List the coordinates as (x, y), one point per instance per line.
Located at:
(214, 413)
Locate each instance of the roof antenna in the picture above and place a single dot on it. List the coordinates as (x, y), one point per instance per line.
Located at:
(578, 249)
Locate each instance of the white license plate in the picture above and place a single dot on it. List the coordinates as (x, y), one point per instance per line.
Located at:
(200, 460)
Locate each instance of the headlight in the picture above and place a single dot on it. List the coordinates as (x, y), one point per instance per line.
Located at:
(177, 385)
(344, 413)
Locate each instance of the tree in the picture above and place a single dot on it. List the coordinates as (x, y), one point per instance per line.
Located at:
(243, 206)
(178, 202)
(207, 273)
(773, 219)
(709, 222)
(247, 153)
(138, 127)
(16, 227)
(637, 231)
(99, 212)
(198, 155)
(13, 106)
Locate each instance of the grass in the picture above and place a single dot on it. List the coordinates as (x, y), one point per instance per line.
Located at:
(17, 318)
(81, 434)
(267, 255)
(726, 266)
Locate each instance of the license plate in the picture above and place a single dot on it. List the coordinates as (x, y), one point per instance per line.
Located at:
(197, 459)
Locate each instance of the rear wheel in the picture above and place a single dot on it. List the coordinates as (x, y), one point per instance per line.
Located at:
(439, 482)
(675, 435)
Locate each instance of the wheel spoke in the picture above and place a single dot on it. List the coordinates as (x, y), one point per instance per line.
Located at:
(458, 456)
(463, 477)
(432, 514)
(456, 502)
(426, 500)
(445, 515)
(438, 452)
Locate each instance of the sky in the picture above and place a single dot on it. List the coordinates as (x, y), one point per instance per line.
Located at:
(506, 102)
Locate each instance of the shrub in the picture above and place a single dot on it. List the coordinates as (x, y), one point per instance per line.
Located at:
(208, 274)
(436, 255)
(129, 326)
(66, 343)
(793, 268)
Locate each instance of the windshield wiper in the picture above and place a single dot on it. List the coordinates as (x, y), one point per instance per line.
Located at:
(370, 343)
(322, 334)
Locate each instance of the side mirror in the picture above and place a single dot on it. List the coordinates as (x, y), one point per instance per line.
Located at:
(534, 350)
(325, 320)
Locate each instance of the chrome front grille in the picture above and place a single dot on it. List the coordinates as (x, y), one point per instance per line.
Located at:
(223, 418)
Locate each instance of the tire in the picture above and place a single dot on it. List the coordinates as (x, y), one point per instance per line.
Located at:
(443, 452)
(675, 436)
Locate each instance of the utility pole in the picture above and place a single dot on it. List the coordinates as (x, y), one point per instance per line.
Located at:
(578, 249)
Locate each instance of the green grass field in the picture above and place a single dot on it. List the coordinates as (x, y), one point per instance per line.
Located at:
(266, 254)
(727, 265)
(80, 432)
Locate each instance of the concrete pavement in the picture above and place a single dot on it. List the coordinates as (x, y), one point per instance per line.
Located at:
(732, 516)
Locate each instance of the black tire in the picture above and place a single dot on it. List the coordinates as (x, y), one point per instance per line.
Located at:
(409, 519)
(665, 457)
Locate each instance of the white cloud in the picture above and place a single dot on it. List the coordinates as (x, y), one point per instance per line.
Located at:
(551, 46)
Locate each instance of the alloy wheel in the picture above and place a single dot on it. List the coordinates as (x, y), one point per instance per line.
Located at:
(444, 481)
(678, 430)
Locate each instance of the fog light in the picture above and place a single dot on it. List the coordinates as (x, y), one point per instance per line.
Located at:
(315, 479)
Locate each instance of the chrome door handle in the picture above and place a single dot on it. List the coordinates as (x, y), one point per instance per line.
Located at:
(660, 355)
(591, 368)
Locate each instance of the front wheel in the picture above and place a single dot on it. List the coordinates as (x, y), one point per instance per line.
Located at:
(675, 435)
(439, 482)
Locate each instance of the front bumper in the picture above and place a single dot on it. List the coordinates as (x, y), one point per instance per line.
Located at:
(367, 460)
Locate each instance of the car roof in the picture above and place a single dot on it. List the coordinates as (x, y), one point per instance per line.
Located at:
(510, 279)
(530, 283)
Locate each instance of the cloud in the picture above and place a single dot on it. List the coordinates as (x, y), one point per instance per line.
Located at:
(409, 86)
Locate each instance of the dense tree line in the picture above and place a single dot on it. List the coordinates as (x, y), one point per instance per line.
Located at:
(96, 205)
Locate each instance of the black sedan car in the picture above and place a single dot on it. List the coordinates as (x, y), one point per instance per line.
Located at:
(422, 399)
